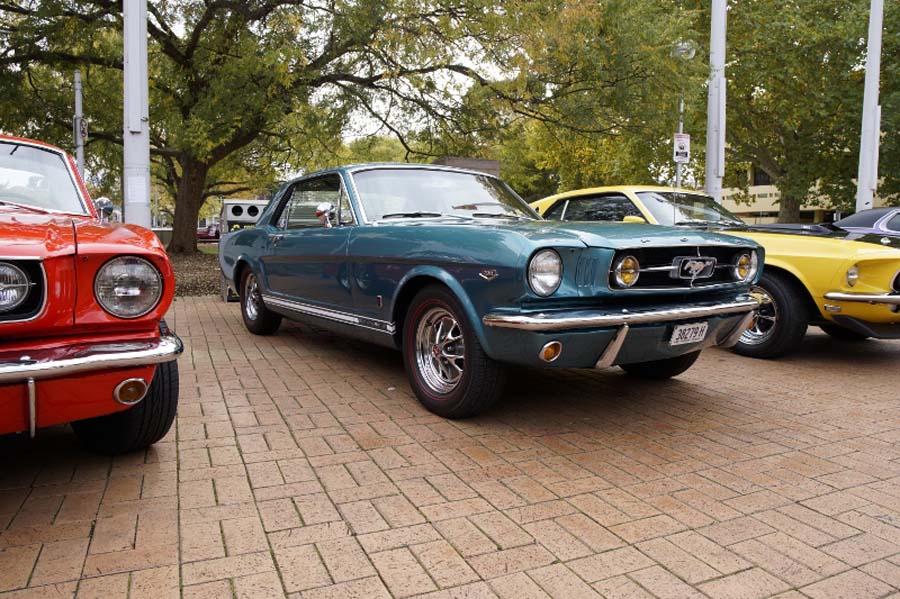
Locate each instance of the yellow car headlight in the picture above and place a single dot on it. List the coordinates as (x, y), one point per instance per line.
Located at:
(852, 275)
(627, 271)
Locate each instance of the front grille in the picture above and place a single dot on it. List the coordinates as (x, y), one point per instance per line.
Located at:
(34, 302)
(659, 266)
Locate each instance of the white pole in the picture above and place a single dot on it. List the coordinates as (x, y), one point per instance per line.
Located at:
(715, 108)
(79, 116)
(867, 177)
(136, 130)
(678, 165)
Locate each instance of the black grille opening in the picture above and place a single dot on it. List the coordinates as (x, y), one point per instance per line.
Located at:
(35, 300)
(667, 258)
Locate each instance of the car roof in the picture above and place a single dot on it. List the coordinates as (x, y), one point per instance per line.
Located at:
(31, 142)
(622, 188)
(365, 166)
(864, 218)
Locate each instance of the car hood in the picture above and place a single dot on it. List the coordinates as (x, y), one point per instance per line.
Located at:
(620, 235)
(35, 234)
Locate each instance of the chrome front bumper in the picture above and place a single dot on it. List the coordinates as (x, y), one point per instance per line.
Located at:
(46, 364)
(890, 299)
(597, 319)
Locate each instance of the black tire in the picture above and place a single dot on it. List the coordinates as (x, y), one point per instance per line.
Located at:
(137, 427)
(661, 369)
(788, 299)
(259, 320)
(481, 381)
(842, 334)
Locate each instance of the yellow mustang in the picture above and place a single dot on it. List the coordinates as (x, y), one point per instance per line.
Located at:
(847, 284)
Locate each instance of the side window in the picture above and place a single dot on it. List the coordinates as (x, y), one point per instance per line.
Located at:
(299, 210)
(611, 208)
(894, 223)
(555, 212)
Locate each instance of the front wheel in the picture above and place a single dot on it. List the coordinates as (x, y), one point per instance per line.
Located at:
(842, 334)
(781, 319)
(258, 319)
(447, 368)
(137, 427)
(661, 369)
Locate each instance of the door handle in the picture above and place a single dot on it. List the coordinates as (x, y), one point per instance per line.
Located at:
(275, 238)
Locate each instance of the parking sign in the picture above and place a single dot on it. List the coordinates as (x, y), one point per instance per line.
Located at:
(681, 148)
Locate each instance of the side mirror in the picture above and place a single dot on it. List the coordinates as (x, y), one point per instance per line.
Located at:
(326, 213)
(634, 219)
(104, 207)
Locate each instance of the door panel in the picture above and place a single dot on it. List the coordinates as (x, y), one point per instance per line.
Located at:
(307, 260)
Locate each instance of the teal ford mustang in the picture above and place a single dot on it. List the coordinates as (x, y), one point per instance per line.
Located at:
(455, 270)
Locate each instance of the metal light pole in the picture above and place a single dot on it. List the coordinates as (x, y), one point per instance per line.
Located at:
(136, 130)
(77, 126)
(715, 107)
(685, 50)
(867, 177)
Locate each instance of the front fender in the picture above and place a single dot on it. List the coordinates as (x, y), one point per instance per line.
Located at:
(440, 274)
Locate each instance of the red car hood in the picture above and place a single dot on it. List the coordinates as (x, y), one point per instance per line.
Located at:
(34, 234)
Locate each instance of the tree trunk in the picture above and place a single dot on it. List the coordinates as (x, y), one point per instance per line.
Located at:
(188, 201)
(789, 209)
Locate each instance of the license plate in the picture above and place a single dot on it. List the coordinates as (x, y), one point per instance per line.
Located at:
(689, 333)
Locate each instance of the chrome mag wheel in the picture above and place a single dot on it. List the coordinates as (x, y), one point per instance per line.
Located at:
(766, 319)
(254, 300)
(440, 350)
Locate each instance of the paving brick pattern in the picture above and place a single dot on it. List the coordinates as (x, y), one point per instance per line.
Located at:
(301, 466)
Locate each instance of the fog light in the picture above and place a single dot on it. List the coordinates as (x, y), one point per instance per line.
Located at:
(550, 351)
(130, 391)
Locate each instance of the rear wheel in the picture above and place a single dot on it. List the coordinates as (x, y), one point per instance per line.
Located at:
(661, 369)
(781, 320)
(137, 427)
(839, 332)
(447, 368)
(258, 319)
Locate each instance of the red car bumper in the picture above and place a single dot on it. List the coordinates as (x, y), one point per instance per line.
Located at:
(70, 382)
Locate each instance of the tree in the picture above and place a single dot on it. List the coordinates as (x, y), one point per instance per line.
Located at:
(795, 86)
(232, 82)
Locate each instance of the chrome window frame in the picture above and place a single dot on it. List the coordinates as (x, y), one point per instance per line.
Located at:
(72, 177)
(279, 210)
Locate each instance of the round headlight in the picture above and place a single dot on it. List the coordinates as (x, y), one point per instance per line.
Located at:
(745, 267)
(128, 286)
(852, 275)
(627, 271)
(545, 272)
(14, 286)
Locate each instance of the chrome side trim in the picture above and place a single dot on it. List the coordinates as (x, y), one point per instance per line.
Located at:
(103, 356)
(32, 407)
(890, 299)
(382, 326)
(596, 319)
(735, 335)
(609, 355)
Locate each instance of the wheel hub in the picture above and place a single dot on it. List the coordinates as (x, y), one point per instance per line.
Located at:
(766, 321)
(440, 350)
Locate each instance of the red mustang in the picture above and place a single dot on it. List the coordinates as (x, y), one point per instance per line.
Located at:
(82, 335)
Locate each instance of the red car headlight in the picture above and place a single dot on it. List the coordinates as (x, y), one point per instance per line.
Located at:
(128, 286)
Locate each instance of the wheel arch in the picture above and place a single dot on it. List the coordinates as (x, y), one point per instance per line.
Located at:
(788, 273)
(418, 279)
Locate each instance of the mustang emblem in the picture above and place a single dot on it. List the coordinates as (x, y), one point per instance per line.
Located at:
(690, 267)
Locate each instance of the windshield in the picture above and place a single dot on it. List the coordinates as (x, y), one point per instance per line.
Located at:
(673, 208)
(388, 193)
(38, 178)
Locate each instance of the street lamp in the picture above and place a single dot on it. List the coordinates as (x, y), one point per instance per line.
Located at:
(683, 50)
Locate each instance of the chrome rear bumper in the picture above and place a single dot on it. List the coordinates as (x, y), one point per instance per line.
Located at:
(591, 319)
(891, 299)
(46, 364)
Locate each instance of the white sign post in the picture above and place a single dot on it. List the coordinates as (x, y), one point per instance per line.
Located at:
(136, 134)
(867, 177)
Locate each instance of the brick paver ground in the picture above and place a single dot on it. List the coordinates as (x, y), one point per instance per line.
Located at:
(302, 466)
